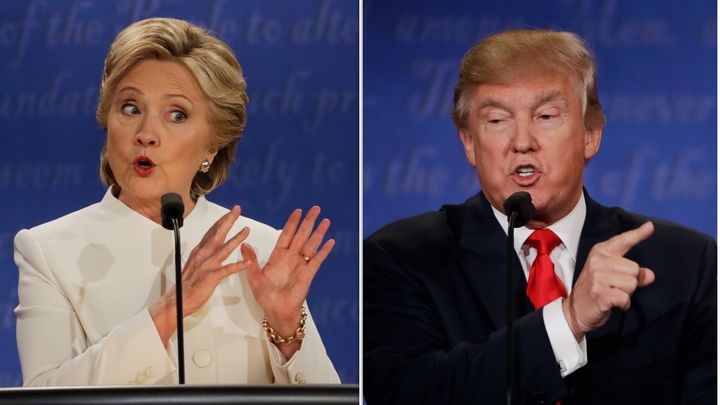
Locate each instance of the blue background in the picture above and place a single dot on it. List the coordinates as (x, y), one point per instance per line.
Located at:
(657, 85)
(300, 146)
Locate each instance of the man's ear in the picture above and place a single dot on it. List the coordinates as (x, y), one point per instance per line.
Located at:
(468, 144)
(593, 136)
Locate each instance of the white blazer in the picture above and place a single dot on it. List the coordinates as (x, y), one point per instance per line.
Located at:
(85, 284)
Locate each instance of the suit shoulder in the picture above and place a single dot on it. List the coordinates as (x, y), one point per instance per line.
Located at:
(66, 224)
(421, 235)
(664, 230)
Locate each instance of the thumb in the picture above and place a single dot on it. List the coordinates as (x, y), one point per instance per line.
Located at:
(645, 277)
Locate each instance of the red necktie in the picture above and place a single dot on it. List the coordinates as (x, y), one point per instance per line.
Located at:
(544, 286)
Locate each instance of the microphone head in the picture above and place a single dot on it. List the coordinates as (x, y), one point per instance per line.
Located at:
(172, 207)
(521, 204)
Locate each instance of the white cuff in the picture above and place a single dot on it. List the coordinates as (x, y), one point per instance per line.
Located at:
(277, 357)
(569, 355)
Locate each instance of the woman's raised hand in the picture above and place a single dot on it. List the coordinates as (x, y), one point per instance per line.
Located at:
(281, 285)
(203, 271)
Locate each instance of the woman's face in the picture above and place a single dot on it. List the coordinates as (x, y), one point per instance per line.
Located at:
(157, 133)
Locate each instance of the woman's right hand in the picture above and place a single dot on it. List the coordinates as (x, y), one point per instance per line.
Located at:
(202, 273)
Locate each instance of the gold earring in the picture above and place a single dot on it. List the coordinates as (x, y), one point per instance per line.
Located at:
(204, 166)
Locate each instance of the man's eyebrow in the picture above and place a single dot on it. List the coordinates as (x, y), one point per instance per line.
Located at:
(548, 96)
(490, 102)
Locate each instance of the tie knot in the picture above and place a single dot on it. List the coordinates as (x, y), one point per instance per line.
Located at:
(544, 240)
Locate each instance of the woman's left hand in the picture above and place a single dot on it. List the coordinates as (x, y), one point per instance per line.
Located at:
(280, 287)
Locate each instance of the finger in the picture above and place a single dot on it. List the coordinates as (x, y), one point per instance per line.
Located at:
(618, 264)
(624, 282)
(620, 244)
(288, 231)
(316, 238)
(221, 254)
(213, 237)
(320, 256)
(619, 299)
(305, 228)
(249, 255)
(645, 277)
(221, 227)
(230, 269)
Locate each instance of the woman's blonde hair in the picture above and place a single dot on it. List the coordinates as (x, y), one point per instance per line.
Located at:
(500, 57)
(216, 70)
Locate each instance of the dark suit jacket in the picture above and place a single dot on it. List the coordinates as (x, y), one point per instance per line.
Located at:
(434, 316)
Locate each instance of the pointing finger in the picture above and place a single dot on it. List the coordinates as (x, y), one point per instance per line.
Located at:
(620, 244)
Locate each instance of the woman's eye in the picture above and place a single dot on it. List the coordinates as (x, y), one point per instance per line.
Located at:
(129, 109)
(178, 116)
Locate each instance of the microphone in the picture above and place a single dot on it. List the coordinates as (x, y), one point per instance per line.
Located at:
(519, 210)
(171, 212)
(521, 204)
(172, 207)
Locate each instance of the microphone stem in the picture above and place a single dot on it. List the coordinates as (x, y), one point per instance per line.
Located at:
(510, 311)
(178, 301)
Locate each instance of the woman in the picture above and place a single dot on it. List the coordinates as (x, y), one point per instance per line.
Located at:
(96, 287)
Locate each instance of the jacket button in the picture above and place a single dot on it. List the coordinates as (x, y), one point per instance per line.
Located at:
(202, 358)
(300, 378)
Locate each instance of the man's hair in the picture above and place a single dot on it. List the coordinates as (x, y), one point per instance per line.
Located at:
(502, 56)
(209, 60)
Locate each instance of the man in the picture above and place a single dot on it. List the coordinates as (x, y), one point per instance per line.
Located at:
(614, 308)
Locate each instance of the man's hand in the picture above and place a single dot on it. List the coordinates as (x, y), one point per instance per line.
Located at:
(607, 281)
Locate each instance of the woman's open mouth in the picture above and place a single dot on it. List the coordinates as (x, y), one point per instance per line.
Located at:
(143, 165)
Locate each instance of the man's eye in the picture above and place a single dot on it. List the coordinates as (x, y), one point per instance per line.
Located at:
(178, 116)
(496, 121)
(129, 109)
(547, 117)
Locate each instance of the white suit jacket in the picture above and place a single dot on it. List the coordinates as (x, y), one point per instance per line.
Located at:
(85, 284)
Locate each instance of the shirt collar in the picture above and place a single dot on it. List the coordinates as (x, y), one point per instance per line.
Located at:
(568, 228)
(112, 203)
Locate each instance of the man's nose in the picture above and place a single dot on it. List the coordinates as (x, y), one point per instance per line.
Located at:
(524, 139)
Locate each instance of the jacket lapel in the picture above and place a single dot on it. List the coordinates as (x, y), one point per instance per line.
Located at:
(483, 256)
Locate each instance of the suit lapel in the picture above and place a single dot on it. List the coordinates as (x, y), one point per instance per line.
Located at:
(483, 259)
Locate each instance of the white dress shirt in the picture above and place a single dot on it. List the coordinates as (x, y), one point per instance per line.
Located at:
(569, 354)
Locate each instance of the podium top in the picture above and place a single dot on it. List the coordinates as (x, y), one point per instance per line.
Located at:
(185, 394)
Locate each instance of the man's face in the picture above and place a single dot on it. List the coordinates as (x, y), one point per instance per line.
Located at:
(528, 135)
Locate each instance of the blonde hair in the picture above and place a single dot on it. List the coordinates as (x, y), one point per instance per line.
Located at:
(216, 70)
(501, 56)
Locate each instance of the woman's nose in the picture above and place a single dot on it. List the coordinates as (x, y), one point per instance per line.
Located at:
(147, 134)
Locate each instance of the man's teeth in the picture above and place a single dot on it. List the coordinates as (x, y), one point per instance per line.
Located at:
(525, 171)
